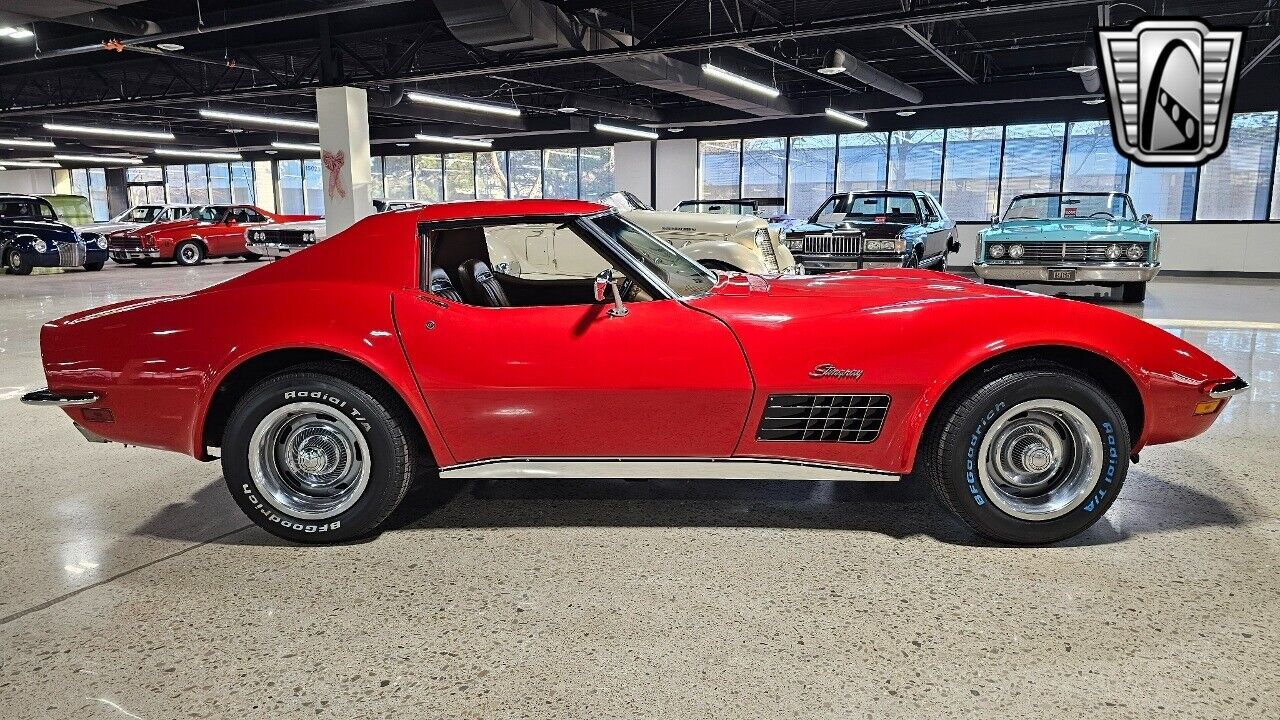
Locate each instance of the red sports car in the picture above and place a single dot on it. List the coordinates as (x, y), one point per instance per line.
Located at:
(209, 231)
(594, 349)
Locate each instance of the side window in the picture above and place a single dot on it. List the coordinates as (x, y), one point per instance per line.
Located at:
(930, 212)
(253, 216)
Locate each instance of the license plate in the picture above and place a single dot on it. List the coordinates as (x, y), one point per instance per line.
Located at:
(1062, 274)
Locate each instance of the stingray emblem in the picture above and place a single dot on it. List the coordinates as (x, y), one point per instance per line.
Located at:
(1170, 83)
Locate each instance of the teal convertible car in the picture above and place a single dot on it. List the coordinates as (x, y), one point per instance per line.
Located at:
(1070, 238)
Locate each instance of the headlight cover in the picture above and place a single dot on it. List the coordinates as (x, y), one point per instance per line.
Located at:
(995, 251)
(1113, 252)
(1016, 252)
(40, 245)
(308, 237)
(893, 246)
(1134, 252)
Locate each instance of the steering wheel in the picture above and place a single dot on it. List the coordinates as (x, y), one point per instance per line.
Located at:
(1103, 212)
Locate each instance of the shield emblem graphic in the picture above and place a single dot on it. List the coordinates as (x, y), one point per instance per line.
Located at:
(1170, 84)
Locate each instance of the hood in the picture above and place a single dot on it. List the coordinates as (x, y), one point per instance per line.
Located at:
(171, 226)
(869, 228)
(864, 289)
(1066, 230)
(657, 221)
(106, 228)
(45, 229)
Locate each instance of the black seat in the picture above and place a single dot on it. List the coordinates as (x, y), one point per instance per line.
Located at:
(480, 286)
(441, 285)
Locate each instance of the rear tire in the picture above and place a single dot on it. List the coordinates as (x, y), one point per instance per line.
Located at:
(320, 454)
(1134, 292)
(188, 253)
(1027, 455)
(15, 264)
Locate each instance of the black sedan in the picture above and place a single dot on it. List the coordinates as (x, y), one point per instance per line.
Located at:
(31, 236)
(851, 231)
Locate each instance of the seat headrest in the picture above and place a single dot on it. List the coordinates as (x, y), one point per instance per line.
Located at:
(441, 285)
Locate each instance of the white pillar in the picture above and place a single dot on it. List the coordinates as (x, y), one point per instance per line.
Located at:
(343, 113)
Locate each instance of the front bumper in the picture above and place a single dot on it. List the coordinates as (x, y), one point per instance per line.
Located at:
(135, 254)
(275, 249)
(45, 396)
(836, 263)
(1084, 274)
(55, 259)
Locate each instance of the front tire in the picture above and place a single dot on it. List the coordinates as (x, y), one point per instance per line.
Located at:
(252, 257)
(319, 455)
(1027, 455)
(94, 266)
(188, 253)
(1134, 292)
(16, 266)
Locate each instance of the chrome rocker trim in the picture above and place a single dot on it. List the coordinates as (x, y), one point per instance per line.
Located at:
(44, 396)
(665, 468)
(1231, 388)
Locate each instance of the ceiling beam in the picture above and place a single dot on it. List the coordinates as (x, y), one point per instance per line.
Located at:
(927, 44)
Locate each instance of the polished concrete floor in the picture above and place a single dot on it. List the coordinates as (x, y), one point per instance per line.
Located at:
(132, 587)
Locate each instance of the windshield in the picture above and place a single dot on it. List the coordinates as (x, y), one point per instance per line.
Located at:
(684, 276)
(622, 200)
(140, 214)
(27, 208)
(870, 207)
(717, 207)
(210, 213)
(1053, 207)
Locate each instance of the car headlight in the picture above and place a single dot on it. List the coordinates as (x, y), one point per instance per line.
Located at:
(1016, 251)
(995, 251)
(893, 246)
(1134, 252)
(1113, 252)
(258, 236)
(308, 237)
(40, 245)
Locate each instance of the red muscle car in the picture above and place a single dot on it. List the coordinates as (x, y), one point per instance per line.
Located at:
(1022, 412)
(209, 231)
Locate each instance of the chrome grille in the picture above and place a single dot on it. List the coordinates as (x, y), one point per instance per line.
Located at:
(125, 243)
(287, 237)
(833, 244)
(71, 254)
(1067, 252)
(768, 253)
(823, 418)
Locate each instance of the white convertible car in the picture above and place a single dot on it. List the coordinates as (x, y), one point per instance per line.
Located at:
(717, 240)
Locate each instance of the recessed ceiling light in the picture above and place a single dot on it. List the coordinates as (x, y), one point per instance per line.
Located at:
(1094, 101)
(402, 144)
(110, 132)
(830, 70)
(906, 113)
(1082, 69)
(675, 130)
(567, 109)
(460, 104)
(272, 152)
(171, 47)
(235, 131)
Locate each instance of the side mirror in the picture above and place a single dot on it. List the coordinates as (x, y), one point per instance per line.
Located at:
(605, 282)
(953, 245)
(1147, 218)
(995, 220)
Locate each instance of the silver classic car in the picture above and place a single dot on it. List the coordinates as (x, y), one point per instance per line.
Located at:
(1071, 239)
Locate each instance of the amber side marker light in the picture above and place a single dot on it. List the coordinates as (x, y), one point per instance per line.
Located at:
(102, 415)
(1207, 407)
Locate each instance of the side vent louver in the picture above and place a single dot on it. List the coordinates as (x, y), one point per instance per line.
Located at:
(823, 418)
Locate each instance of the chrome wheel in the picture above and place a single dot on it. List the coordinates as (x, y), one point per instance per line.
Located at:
(309, 460)
(1040, 459)
(189, 254)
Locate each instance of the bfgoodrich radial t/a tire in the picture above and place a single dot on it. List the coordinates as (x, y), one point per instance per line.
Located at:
(1028, 455)
(319, 455)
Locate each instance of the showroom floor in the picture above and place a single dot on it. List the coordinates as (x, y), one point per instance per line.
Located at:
(132, 587)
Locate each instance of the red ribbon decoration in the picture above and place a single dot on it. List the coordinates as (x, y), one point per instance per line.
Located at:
(333, 163)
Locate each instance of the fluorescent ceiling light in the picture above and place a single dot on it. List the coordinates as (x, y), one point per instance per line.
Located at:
(171, 47)
(632, 132)
(210, 154)
(109, 159)
(110, 132)
(259, 119)
(304, 147)
(766, 90)
(846, 117)
(445, 140)
(15, 33)
(16, 142)
(31, 163)
(460, 104)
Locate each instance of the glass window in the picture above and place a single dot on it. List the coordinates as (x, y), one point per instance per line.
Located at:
(263, 186)
(143, 175)
(1054, 206)
(80, 182)
(526, 173)
(428, 178)
(98, 194)
(313, 186)
(1093, 165)
(560, 173)
(198, 184)
(175, 180)
(242, 182)
(1032, 159)
(915, 160)
(971, 176)
(1275, 191)
(764, 172)
(459, 176)
(719, 169)
(1167, 193)
(863, 162)
(377, 187)
(811, 173)
(137, 194)
(595, 171)
(397, 174)
(1235, 185)
(219, 183)
(292, 201)
(491, 175)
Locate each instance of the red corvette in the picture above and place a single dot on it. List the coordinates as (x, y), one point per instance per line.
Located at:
(209, 231)
(594, 349)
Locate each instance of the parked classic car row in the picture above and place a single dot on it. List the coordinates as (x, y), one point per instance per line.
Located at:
(207, 231)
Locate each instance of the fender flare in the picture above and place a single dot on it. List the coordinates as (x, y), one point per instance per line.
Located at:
(725, 251)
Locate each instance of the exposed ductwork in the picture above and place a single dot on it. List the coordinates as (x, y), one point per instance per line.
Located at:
(839, 61)
(536, 26)
(96, 14)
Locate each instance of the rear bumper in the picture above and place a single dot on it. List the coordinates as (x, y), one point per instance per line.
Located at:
(1231, 388)
(1085, 274)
